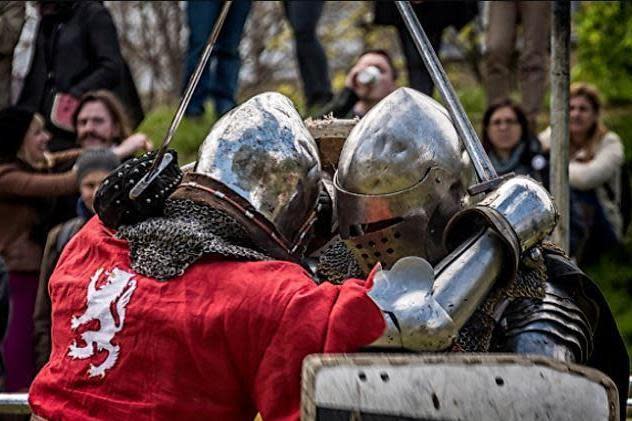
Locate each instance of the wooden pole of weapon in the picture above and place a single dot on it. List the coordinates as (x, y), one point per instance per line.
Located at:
(560, 52)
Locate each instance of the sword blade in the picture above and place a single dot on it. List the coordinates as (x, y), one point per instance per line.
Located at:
(483, 166)
(184, 103)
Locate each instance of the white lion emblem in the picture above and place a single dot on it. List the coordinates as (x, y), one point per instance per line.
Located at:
(106, 304)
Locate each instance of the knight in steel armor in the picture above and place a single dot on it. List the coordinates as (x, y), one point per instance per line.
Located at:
(498, 285)
(200, 307)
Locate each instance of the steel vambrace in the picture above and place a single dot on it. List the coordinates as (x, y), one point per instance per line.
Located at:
(426, 315)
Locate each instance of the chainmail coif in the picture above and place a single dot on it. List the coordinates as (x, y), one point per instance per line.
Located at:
(337, 264)
(163, 247)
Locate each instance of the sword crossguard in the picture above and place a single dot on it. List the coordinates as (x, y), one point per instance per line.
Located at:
(489, 185)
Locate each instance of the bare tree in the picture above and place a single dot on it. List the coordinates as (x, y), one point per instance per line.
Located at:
(153, 39)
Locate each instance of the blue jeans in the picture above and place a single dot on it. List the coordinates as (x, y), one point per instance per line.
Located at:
(312, 61)
(220, 78)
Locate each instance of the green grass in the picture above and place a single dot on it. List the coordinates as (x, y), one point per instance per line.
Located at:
(613, 274)
(189, 136)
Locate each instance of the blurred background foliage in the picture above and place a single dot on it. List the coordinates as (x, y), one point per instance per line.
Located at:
(604, 48)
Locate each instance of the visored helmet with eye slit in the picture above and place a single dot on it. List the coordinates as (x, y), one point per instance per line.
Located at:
(399, 180)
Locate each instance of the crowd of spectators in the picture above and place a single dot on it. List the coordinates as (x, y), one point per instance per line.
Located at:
(74, 122)
(69, 128)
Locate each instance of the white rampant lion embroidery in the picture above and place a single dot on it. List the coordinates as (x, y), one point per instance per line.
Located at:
(107, 304)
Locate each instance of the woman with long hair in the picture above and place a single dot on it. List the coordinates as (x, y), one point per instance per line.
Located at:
(596, 157)
(509, 143)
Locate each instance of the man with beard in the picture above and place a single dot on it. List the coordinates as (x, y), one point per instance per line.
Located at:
(100, 121)
(76, 51)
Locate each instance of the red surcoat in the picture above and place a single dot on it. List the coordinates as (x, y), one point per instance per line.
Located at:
(221, 342)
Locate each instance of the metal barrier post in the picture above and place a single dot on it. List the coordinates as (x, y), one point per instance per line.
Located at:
(14, 403)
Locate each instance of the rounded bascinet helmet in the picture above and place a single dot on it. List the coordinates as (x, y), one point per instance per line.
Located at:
(266, 165)
(399, 180)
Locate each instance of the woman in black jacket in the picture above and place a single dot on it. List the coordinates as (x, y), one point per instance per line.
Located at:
(510, 144)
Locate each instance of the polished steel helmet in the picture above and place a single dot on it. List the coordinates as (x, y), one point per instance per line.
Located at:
(399, 180)
(264, 157)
